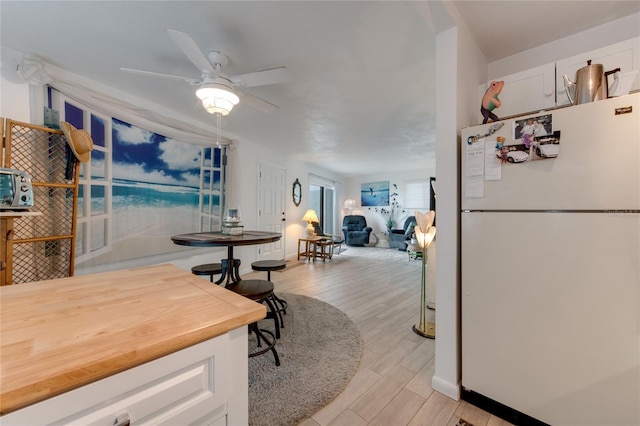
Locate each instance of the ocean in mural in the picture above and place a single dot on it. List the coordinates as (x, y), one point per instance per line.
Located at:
(153, 209)
(374, 194)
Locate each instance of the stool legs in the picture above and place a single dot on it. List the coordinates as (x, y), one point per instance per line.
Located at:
(273, 311)
(282, 308)
(270, 343)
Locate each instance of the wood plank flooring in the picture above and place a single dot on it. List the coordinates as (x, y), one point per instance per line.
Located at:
(379, 290)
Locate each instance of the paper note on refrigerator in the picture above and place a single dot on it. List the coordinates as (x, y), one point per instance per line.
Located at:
(492, 168)
(474, 173)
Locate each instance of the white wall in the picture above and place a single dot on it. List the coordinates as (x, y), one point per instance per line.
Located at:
(14, 101)
(594, 38)
(457, 55)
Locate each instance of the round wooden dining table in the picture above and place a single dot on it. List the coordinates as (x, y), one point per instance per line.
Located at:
(230, 268)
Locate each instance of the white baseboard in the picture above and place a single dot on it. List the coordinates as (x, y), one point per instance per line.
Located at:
(452, 390)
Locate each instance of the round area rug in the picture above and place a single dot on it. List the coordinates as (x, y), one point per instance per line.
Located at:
(319, 351)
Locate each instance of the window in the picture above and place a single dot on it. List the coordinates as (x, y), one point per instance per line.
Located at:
(211, 184)
(322, 200)
(416, 195)
(93, 222)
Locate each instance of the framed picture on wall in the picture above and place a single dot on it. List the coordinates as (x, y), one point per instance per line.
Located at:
(374, 194)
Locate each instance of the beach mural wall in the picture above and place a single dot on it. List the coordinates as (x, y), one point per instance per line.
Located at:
(155, 185)
(139, 188)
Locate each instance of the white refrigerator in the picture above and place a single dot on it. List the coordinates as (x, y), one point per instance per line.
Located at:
(550, 265)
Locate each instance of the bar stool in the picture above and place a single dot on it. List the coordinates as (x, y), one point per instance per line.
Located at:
(273, 265)
(260, 291)
(209, 269)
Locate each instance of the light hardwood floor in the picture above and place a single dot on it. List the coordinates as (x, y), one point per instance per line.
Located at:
(379, 290)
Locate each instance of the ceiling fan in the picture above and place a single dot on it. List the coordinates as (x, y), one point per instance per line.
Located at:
(219, 92)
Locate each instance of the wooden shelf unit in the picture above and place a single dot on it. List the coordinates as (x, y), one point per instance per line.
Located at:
(41, 247)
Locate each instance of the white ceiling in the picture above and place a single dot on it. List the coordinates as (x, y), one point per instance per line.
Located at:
(362, 95)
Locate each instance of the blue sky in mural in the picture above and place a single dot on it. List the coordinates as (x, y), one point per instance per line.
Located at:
(155, 186)
(143, 156)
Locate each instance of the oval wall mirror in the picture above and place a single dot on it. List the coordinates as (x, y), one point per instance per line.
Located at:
(297, 192)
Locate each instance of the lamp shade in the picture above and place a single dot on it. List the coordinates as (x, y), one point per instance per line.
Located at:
(310, 216)
(425, 238)
(350, 203)
(217, 97)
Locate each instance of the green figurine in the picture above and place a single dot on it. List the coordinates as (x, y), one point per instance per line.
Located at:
(490, 101)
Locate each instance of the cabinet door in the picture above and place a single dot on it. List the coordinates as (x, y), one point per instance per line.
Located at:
(527, 91)
(190, 386)
(624, 55)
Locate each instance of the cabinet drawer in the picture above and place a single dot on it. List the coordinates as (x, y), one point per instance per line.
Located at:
(190, 386)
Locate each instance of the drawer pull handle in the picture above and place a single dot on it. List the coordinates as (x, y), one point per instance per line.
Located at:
(122, 420)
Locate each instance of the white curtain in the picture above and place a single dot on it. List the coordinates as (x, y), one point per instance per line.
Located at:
(133, 111)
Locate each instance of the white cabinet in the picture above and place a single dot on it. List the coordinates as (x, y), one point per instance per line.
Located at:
(204, 384)
(542, 87)
(527, 91)
(624, 55)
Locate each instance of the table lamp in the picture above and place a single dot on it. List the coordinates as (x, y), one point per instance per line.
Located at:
(309, 217)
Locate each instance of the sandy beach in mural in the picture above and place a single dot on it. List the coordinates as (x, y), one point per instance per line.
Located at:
(145, 216)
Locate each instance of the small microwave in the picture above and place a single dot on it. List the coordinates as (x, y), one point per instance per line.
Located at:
(16, 191)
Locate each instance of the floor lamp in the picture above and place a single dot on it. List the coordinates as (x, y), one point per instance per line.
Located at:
(424, 234)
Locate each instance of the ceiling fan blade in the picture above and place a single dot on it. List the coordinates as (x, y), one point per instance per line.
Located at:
(192, 51)
(257, 102)
(157, 74)
(262, 78)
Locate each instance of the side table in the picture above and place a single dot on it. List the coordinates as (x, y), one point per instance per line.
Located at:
(324, 248)
(308, 249)
(383, 240)
(315, 247)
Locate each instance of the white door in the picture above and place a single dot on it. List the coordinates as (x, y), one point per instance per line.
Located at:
(271, 209)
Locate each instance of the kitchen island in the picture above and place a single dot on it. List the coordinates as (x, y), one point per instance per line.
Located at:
(146, 345)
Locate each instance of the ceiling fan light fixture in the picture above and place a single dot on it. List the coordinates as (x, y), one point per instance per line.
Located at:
(217, 98)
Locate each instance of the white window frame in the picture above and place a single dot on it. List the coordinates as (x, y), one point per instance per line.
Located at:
(86, 220)
(416, 194)
(211, 218)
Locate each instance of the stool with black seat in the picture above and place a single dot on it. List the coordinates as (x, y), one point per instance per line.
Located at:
(273, 265)
(209, 269)
(260, 291)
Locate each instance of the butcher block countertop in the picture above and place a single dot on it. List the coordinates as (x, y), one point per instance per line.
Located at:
(61, 334)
